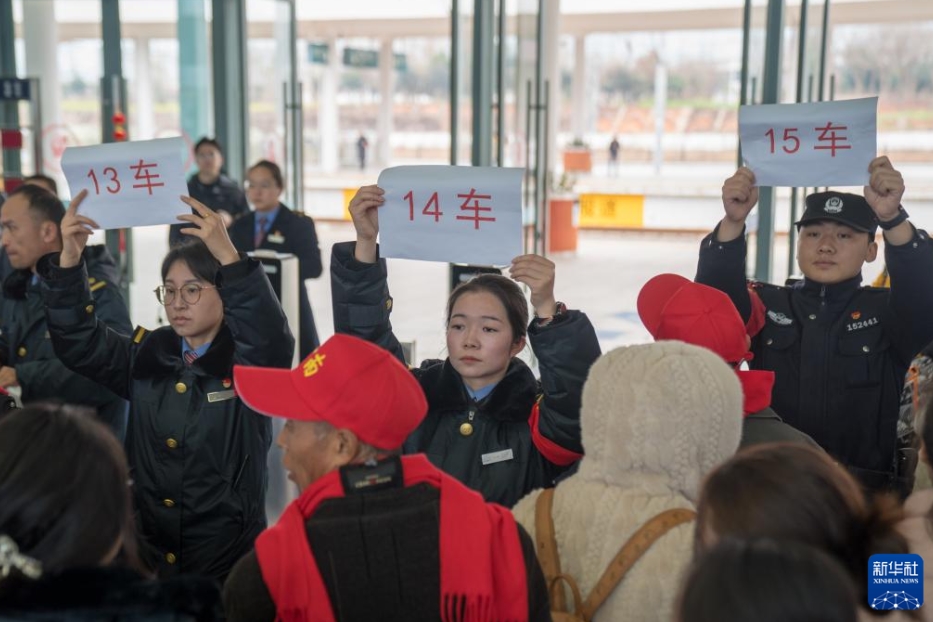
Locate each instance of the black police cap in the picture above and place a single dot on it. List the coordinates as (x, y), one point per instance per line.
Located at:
(849, 209)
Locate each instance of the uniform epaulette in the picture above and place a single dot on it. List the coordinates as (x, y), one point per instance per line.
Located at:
(139, 334)
(95, 284)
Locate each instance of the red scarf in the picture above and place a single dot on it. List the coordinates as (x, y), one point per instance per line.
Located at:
(482, 567)
(756, 387)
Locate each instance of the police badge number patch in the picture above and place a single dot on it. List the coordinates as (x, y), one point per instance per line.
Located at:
(779, 318)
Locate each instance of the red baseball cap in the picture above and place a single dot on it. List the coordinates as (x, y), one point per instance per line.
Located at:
(346, 382)
(672, 307)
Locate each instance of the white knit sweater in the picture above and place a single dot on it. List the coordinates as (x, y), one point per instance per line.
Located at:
(656, 419)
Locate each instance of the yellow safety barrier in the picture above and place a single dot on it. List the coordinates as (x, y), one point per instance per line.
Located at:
(612, 211)
(348, 194)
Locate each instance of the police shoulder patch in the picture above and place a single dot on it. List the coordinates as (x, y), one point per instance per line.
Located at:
(139, 333)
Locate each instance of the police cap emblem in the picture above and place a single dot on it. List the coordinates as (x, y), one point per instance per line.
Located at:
(833, 205)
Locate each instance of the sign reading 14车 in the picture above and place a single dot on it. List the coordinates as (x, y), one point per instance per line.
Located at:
(815, 144)
(458, 214)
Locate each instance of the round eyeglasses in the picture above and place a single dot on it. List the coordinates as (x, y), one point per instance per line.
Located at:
(190, 293)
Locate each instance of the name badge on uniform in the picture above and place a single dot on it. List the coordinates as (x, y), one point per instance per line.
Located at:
(275, 238)
(221, 396)
(497, 456)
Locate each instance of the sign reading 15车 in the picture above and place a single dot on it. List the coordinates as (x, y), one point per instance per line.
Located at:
(815, 144)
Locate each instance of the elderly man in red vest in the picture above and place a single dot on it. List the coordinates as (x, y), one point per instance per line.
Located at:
(374, 535)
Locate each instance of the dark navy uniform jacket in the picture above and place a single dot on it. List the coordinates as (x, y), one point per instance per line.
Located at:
(524, 434)
(26, 346)
(293, 233)
(839, 352)
(197, 453)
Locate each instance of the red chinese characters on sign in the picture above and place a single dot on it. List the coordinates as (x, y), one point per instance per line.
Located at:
(146, 176)
(790, 141)
(828, 134)
(109, 179)
(476, 207)
(432, 207)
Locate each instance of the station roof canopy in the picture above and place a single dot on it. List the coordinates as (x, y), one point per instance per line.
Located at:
(80, 19)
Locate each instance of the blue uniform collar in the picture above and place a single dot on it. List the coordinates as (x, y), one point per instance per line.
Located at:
(480, 394)
(185, 348)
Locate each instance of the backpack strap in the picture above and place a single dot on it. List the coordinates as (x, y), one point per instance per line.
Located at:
(636, 546)
(547, 547)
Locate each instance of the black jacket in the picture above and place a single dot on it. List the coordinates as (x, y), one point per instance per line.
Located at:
(224, 194)
(108, 593)
(25, 343)
(502, 421)
(293, 233)
(383, 561)
(196, 452)
(839, 352)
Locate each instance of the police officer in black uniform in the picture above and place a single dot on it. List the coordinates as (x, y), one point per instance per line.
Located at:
(275, 227)
(212, 188)
(31, 219)
(839, 351)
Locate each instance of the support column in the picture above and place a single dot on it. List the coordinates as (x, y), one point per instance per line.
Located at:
(660, 111)
(386, 102)
(579, 105)
(771, 94)
(113, 99)
(42, 62)
(9, 113)
(328, 118)
(193, 67)
(551, 47)
(228, 30)
(482, 86)
(144, 118)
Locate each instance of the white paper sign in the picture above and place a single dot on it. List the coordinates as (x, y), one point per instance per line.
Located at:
(458, 214)
(816, 144)
(129, 184)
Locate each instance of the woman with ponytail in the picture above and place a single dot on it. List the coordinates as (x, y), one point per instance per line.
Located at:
(792, 493)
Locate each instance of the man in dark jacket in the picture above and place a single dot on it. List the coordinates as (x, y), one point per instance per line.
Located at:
(30, 221)
(839, 351)
(292, 233)
(373, 536)
(672, 307)
(212, 188)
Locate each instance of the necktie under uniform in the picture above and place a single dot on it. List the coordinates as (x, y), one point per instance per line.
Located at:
(260, 231)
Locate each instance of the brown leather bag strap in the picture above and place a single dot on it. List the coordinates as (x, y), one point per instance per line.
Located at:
(547, 547)
(631, 551)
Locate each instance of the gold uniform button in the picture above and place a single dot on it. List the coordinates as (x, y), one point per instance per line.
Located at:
(812, 316)
(769, 341)
(21, 351)
(466, 429)
(170, 558)
(89, 309)
(172, 443)
(866, 349)
(181, 387)
(168, 503)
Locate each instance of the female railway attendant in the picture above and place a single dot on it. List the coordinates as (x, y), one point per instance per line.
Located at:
(196, 452)
(490, 423)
